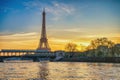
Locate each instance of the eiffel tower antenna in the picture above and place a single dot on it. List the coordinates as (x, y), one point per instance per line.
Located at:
(43, 44)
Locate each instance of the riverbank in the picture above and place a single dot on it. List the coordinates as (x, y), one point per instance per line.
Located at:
(93, 59)
(80, 59)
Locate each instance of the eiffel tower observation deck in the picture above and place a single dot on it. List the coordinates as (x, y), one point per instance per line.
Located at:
(43, 43)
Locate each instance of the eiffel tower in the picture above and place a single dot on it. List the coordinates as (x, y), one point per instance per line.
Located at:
(43, 44)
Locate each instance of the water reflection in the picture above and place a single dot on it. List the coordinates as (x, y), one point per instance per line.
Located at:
(44, 71)
(72, 71)
(19, 71)
(59, 71)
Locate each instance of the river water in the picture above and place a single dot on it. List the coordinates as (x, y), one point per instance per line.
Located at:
(59, 71)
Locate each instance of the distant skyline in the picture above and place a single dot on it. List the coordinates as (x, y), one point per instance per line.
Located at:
(77, 21)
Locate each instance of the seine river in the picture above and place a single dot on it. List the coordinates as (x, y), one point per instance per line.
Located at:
(59, 71)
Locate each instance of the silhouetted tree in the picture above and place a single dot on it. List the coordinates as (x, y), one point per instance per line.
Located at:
(71, 48)
(116, 50)
(101, 47)
(100, 42)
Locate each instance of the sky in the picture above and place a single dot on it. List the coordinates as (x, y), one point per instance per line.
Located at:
(76, 21)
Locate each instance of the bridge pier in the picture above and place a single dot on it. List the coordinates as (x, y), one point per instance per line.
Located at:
(8, 54)
(5, 54)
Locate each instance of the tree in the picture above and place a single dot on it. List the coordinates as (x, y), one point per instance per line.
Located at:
(102, 47)
(71, 47)
(116, 50)
(100, 42)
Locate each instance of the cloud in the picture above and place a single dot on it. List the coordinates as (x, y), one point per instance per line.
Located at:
(19, 41)
(24, 34)
(32, 4)
(58, 10)
(5, 9)
(57, 41)
(18, 37)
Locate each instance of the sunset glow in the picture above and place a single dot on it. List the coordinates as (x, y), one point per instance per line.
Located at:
(76, 21)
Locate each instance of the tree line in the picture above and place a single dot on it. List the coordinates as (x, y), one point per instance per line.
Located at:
(100, 47)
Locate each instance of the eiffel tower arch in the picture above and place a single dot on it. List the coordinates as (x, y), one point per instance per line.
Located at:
(43, 43)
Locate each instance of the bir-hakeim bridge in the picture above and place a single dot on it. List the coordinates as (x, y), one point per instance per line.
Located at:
(43, 49)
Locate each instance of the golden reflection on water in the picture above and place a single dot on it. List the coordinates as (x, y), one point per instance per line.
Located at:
(59, 71)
